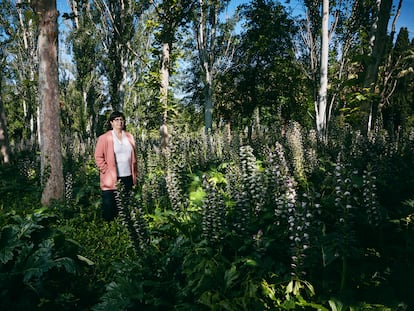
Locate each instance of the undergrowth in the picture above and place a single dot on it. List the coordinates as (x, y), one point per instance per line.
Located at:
(216, 225)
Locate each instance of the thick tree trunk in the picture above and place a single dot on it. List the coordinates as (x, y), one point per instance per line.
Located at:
(49, 130)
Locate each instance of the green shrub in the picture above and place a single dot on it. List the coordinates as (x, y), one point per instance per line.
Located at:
(37, 263)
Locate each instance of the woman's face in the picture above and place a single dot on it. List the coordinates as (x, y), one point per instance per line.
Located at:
(118, 123)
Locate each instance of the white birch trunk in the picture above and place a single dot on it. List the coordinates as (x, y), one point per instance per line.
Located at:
(164, 76)
(28, 61)
(164, 84)
(321, 108)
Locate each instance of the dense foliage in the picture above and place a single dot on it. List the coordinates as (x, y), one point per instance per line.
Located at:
(277, 223)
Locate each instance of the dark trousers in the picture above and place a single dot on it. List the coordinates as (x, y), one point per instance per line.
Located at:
(109, 208)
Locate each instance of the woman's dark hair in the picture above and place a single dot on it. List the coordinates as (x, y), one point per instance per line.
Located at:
(113, 116)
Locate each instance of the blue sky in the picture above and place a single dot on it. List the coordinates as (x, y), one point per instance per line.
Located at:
(406, 18)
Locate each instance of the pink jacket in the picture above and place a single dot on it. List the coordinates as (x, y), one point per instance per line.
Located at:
(105, 160)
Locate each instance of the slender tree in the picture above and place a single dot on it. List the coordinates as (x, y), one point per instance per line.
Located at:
(207, 32)
(19, 45)
(171, 14)
(85, 55)
(377, 44)
(49, 118)
(111, 43)
(116, 29)
(4, 137)
(394, 59)
(206, 39)
(322, 104)
(316, 34)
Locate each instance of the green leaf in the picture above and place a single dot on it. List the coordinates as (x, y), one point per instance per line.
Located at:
(67, 263)
(268, 290)
(86, 260)
(335, 305)
(250, 262)
(197, 196)
(8, 243)
(230, 276)
(6, 254)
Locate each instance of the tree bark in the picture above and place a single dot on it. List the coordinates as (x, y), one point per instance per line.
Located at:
(377, 46)
(27, 71)
(165, 76)
(49, 125)
(388, 83)
(4, 138)
(321, 109)
(206, 39)
(208, 105)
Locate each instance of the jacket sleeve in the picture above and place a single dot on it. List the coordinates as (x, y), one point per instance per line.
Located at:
(100, 158)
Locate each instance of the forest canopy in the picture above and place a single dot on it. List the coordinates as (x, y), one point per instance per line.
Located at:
(275, 155)
(261, 64)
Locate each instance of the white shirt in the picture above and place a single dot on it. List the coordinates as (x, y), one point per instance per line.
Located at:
(123, 151)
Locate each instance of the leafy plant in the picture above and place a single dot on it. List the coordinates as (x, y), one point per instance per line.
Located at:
(33, 256)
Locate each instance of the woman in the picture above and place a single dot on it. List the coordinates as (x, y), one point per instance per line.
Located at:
(115, 158)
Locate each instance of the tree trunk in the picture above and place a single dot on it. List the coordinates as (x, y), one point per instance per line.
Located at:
(321, 109)
(206, 39)
(49, 125)
(164, 83)
(208, 105)
(388, 83)
(377, 46)
(28, 72)
(4, 139)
